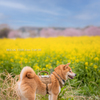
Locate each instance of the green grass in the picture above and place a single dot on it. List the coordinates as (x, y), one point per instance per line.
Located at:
(72, 90)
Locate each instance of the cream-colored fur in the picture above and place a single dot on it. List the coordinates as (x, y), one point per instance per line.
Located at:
(29, 83)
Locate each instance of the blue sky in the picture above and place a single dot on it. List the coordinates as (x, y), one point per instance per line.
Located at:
(50, 13)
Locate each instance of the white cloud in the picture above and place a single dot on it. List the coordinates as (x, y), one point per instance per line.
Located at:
(13, 5)
(85, 16)
(34, 8)
(20, 6)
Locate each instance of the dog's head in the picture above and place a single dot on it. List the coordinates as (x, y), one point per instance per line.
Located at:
(65, 71)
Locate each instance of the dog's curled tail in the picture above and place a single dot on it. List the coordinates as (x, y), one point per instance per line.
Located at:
(27, 72)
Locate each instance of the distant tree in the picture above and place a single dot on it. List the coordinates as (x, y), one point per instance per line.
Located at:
(4, 32)
(14, 34)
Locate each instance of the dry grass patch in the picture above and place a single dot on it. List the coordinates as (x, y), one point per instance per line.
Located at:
(8, 83)
(7, 86)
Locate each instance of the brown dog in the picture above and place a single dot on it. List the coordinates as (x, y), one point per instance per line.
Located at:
(29, 83)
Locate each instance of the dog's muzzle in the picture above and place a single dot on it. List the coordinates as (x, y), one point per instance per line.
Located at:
(71, 77)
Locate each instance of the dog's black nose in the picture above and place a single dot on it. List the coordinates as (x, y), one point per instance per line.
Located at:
(75, 74)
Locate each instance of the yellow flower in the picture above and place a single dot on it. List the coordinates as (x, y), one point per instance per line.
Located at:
(50, 60)
(37, 60)
(39, 68)
(64, 49)
(96, 59)
(16, 56)
(11, 60)
(77, 61)
(43, 68)
(91, 64)
(47, 66)
(20, 62)
(95, 66)
(50, 67)
(73, 67)
(21, 59)
(1, 62)
(86, 63)
(69, 61)
(36, 67)
(46, 60)
(57, 62)
(85, 67)
(3, 55)
(73, 58)
(25, 60)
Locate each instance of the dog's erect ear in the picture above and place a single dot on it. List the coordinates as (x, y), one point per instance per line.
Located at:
(66, 66)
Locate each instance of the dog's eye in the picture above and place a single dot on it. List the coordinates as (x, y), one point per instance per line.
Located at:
(70, 71)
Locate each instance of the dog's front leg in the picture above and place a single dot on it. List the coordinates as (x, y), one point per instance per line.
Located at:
(49, 97)
(53, 97)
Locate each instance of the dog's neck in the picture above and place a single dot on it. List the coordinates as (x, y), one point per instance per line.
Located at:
(61, 81)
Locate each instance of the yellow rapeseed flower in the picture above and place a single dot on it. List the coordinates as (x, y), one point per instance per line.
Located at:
(58, 62)
(1, 62)
(59, 49)
(37, 60)
(69, 61)
(91, 64)
(36, 67)
(96, 59)
(46, 60)
(86, 63)
(85, 67)
(11, 60)
(73, 67)
(77, 61)
(43, 69)
(20, 62)
(47, 66)
(50, 60)
(95, 66)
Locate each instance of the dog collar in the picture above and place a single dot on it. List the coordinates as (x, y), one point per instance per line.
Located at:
(61, 81)
(61, 78)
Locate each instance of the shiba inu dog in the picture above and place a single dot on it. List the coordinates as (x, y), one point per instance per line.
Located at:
(29, 84)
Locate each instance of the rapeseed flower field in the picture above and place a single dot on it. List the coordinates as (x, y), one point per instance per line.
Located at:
(47, 53)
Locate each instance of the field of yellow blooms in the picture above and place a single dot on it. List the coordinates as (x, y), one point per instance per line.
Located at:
(47, 53)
